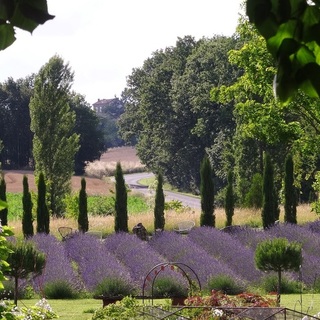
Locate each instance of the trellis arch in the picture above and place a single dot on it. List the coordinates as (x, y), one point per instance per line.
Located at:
(154, 272)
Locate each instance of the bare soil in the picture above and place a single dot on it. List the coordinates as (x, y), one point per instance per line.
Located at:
(94, 186)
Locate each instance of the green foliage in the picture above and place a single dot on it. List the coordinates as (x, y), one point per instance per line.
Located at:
(207, 217)
(168, 111)
(25, 15)
(174, 205)
(121, 211)
(225, 284)
(24, 260)
(159, 220)
(113, 287)
(270, 284)
(316, 185)
(254, 197)
(168, 287)
(27, 219)
(43, 217)
(3, 197)
(269, 208)
(229, 200)
(290, 200)
(60, 290)
(53, 123)
(5, 251)
(291, 33)
(278, 255)
(83, 221)
(126, 309)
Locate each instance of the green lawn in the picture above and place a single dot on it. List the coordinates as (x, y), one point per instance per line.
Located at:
(79, 309)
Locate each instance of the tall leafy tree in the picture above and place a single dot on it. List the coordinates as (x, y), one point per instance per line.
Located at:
(168, 111)
(87, 126)
(290, 200)
(207, 217)
(15, 122)
(229, 200)
(269, 208)
(52, 122)
(83, 221)
(43, 216)
(3, 197)
(121, 198)
(27, 219)
(159, 220)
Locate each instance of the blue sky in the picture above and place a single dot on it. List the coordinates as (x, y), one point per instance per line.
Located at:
(103, 40)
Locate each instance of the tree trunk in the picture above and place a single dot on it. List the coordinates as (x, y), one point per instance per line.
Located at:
(279, 288)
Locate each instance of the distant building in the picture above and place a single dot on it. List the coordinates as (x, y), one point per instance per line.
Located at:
(102, 105)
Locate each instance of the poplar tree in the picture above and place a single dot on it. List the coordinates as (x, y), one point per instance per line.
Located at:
(229, 200)
(52, 122)
(207, 217)
(290, 202)
(27, 220)
(270, 210)
(43, 218)
(3, 197)
(83, 222)
(159, 220)
(121, 211)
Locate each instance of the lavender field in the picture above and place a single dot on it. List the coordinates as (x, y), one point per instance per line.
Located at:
(85, 261)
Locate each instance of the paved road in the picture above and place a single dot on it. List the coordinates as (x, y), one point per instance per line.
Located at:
(132, 180)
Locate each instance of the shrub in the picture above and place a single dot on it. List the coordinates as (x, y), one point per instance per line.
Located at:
(126, 309)
(168, 287)
(254, 197)
(224, 284)
(270, 283)
(59, 289)
(113, 287)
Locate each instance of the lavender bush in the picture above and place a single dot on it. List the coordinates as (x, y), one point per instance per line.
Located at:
(135, 254)
(226, 248)
(95, 263)
(58, 266)
(181, 249)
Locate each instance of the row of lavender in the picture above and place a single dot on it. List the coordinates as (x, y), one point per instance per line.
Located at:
(85, 261)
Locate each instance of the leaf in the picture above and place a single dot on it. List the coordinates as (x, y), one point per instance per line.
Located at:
(6, 36)
(28, 15)
(3, 205)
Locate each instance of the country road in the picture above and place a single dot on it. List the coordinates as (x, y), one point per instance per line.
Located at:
(132, 180)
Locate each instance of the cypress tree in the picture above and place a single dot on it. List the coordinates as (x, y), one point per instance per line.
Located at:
(121, 211)
(290, 203)
(207, 217)
(229, 200)
(269, 206)
(83, 222)
(159, 219)
(3, 197)
(27, 220)
(43, 218)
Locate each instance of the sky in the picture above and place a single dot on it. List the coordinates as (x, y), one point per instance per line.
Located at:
(104, 40)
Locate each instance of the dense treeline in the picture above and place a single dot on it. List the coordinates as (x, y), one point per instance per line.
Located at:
(16, 136)
(215, 97)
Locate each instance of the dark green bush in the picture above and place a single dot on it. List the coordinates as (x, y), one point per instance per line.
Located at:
(253, 198)
(113, 287)
(168, 287)
(224, 284)
(60, 290)
(270, 283)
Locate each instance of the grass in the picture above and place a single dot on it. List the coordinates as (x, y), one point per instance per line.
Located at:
(82, 309)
